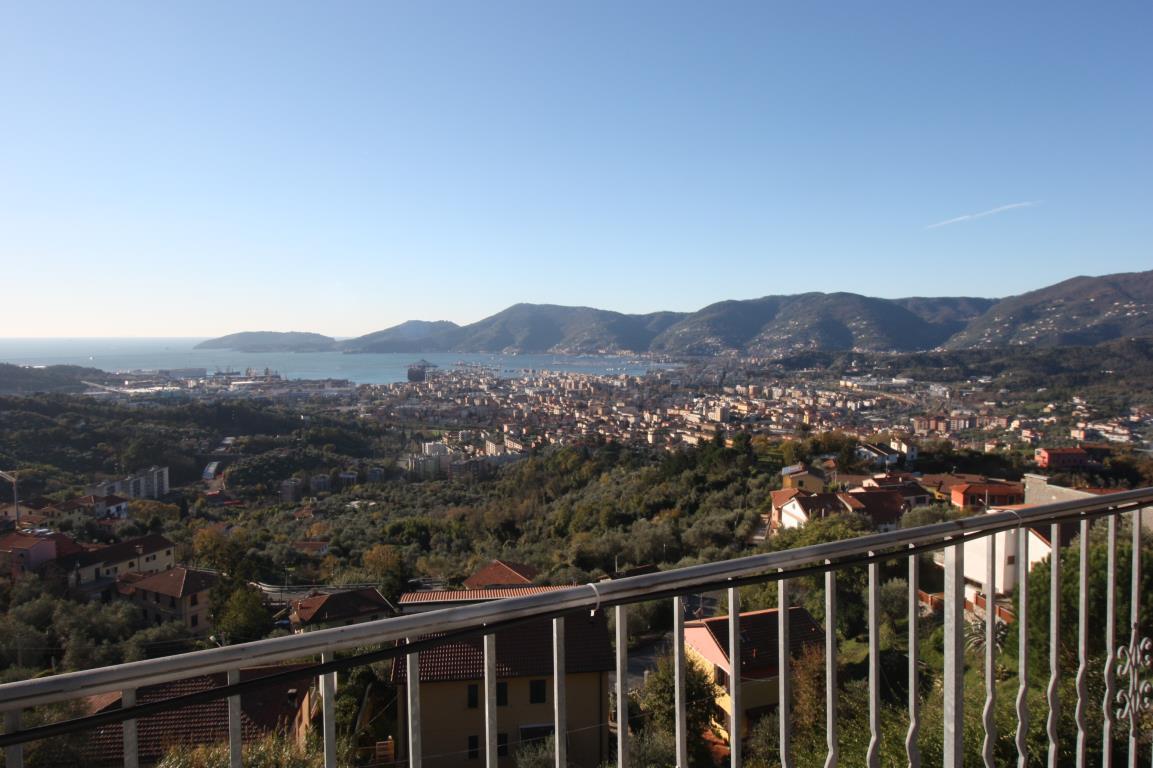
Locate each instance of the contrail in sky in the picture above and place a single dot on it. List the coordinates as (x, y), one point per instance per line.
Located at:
(983, 214)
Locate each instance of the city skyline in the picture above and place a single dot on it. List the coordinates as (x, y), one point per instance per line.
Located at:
(204, 170)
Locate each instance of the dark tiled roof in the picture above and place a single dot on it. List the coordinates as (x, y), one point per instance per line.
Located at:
(353, 604)
(883, 507)
(522, 651)
(820, 505)
(760, 640)
(115, 553)
(501, 573)
(262, 710)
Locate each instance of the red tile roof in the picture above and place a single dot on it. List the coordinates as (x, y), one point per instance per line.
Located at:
(471, 595)
(521, 651)
(262, 710)
(501, 573)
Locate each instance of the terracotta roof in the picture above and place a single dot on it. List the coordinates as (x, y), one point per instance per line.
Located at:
(521, 651)
(339, 606)
(760, 640)
(176, 582)
(470, 595)
(501, 573)
(781, 497)
(18, 540)
(262, 710)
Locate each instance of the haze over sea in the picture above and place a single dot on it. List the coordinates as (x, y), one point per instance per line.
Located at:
(151, 354)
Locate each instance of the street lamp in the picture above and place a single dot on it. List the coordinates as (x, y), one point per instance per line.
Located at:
(11, 477)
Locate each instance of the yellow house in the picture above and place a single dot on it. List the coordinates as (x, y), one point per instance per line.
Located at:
(452, 695)
(707, 646)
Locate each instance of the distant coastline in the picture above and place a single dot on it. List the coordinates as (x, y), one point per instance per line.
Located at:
(153, 354)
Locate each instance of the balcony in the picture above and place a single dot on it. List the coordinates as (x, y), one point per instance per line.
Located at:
(1112, 726)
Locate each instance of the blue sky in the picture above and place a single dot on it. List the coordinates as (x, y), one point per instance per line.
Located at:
(200, 168)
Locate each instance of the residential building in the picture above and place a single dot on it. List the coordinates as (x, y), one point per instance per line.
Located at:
(1061, 458)
(707, 646)
(452, 694)
(95, 571)
(22, 552)
(354, 606)
(178, 594)
(279, 707)
(800, 476)
(151, 483)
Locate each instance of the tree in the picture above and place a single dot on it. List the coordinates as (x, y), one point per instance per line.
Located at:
(242, 617)
(658, 701)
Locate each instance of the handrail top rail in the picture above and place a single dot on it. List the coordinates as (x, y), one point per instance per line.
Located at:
(133, 675)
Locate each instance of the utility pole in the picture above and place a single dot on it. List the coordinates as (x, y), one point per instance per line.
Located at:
(12, 478)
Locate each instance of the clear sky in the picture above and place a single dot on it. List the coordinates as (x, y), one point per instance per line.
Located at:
(199, 168)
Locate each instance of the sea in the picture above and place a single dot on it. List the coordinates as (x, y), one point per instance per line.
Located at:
(153, 354)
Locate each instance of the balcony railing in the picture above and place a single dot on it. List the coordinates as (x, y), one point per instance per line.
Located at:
(1126, 675)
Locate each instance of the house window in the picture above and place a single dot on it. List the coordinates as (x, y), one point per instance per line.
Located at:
(537, 691)
(1010, 560)
(194, 599)
(502, 694)
(473, 745)
(720, 677)
(195, 619)
(172, 602)
(473, 696)
(502, 745)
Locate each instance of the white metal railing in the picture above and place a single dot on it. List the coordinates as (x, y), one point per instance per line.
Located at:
(1129, 691)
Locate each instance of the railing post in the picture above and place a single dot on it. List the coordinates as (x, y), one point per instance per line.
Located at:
(912, 748)
(328, 705)
(1110, 647)
(736, 713)
(1022, 739)
(622, 651)
(131, 742)
(1082, 645)
(412, 674)
(1134, 658)
(784, 675)
(990, 650)
(831, 741)
(873, 754)
(14, 755)
(679, 681)
(560, 715)
(954, 700)
(490, 739)
(1054, 642)
(235, 727)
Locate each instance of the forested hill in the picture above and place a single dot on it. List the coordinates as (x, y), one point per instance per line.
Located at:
(22, 380)
(1080, 311)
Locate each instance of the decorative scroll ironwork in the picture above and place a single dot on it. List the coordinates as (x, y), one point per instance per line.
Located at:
(1135, 662)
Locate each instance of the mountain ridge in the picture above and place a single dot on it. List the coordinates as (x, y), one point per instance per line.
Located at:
(1081, 310)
